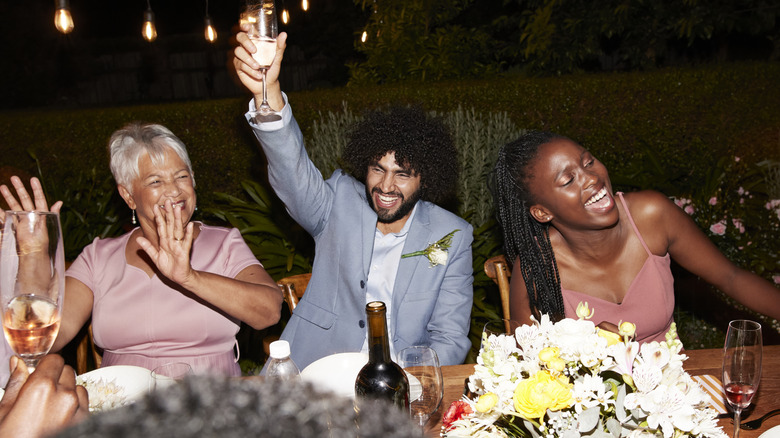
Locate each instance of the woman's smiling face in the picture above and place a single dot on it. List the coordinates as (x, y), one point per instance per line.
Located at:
(168, 180)
(571, 188)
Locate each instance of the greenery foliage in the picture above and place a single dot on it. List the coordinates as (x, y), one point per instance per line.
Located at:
(418, 40)
(445, 39)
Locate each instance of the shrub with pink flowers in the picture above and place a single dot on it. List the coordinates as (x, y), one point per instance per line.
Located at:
(734, 209)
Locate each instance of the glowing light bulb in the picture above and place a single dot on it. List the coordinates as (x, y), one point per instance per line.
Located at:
(285, 16)
(211, 33)
(305, 5)
(149, 31)
(63, 21)
(364, 37)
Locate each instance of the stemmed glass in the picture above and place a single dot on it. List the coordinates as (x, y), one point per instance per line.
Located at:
(32, 282)
(167, 374)
(261, 28)
(741, 365)
(426, 385)
(499, 327)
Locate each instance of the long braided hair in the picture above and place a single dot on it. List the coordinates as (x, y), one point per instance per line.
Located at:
(524, 237)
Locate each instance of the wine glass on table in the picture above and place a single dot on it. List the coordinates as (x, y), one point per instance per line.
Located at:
(497, 327)
(32, 282)
(741, 365)
(259, 21)
(426, 385)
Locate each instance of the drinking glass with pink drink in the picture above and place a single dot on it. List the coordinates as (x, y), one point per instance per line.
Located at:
(742, 353)
(32, 282)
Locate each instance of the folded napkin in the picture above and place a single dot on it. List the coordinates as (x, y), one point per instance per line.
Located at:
(712, 386)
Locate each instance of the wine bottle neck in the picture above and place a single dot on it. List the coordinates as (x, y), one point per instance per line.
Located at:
(378, 342)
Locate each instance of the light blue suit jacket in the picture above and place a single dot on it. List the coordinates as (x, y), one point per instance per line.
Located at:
(432, 305)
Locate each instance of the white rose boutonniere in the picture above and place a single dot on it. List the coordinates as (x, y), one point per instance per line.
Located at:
(436, 252)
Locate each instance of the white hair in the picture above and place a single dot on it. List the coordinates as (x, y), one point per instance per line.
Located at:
(129, 143)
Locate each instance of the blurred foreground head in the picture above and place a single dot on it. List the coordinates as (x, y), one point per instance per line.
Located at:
(206, 407)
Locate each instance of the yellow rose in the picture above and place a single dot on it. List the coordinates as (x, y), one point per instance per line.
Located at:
(486, 402)
(541, 392)
(611, 337)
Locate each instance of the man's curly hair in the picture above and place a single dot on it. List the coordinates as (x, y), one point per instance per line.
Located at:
(420, 142)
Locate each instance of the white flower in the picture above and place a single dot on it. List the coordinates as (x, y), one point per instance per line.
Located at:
(590, 391)
(438, 256)
(435, 252)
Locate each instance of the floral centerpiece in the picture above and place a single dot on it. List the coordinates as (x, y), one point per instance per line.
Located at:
(571, 379)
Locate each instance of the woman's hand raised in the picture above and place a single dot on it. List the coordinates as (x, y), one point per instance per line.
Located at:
(25, 203)
(174, 242)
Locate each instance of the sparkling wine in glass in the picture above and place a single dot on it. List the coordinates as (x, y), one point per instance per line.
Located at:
(426, 385)
(262, 29)
(741, 365)
(32, 282)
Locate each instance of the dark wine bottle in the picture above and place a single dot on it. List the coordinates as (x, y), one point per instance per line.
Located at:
(380, 378)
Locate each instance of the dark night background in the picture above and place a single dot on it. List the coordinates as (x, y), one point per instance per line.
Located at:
(105, 60)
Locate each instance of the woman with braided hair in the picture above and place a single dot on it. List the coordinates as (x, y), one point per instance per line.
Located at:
(572, 240)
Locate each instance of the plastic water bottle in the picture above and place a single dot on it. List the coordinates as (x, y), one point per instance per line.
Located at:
(281, 366)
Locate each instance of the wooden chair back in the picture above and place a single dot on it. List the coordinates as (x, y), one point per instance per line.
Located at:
(497, 269)
(292, 288)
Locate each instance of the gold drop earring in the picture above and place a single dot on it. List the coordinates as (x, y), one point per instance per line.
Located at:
(133, 219)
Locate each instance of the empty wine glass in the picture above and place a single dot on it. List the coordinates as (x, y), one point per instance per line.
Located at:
(499, 327)
(741, 365)
(259, 21)
(32, 282)
(426, 385)
(170, 373)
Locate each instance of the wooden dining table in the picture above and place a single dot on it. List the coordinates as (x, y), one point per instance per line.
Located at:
(699, 362)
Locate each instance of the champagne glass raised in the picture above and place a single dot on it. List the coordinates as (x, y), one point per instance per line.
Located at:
(32, 282)
(259, 21)
(741, 365)
(426, 385)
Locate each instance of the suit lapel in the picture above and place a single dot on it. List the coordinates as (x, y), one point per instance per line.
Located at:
(420, 236)
(368, 221)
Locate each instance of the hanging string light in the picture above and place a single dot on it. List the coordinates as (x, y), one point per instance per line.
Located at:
(364, 35)
(63, 21)
(211, 33)
(285, 15)
(305, 5)
(149, 31)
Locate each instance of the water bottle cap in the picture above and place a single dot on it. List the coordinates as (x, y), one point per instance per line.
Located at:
(279, 349)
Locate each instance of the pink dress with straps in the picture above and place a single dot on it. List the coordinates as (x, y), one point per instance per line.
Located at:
(142, 321)
(648, 303)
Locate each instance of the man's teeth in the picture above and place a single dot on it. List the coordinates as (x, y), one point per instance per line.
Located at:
(597, 197)
(387, 199)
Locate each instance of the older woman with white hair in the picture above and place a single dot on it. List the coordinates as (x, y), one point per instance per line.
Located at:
(170, 290)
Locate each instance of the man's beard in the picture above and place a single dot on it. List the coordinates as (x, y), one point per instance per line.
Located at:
(385, 216)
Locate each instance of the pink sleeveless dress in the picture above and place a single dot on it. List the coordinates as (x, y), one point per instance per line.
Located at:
(648, 303)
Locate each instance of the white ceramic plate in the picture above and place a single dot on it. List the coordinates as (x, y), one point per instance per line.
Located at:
(337, 373)
(114, 386)
(771, 433)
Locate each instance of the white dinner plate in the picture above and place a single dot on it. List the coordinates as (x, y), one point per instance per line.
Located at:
(114, 386)
(771, 433)
(337, 373)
